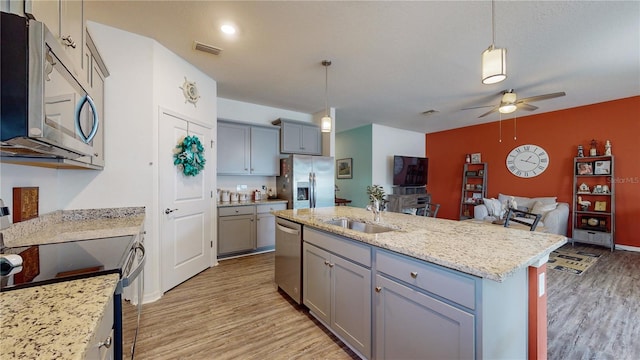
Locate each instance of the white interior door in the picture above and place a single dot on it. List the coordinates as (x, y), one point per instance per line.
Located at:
(185, 204)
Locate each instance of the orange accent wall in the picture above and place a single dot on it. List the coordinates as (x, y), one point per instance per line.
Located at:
(559, 133)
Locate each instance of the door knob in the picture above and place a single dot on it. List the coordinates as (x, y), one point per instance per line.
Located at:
(169, 211)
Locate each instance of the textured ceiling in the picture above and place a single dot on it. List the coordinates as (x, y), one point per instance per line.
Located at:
(394, 60)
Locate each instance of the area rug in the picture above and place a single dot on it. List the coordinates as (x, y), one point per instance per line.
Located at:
(574, 262)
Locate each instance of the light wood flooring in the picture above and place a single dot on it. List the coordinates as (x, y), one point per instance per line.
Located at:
(234, 311)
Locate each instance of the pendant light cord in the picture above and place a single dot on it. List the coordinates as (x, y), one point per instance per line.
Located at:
(493, 24)
(326, 87)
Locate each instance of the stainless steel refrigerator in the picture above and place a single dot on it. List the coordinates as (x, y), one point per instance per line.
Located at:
(307, 181)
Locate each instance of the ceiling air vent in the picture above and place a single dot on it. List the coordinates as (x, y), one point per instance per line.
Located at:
(430, 112)
(207, 48)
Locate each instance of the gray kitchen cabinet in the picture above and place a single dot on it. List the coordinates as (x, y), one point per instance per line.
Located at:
(299, 138)
(236, 229)
(337, 288)
(247, 150)
(266, 225)
(429, 308)
(96, 72)
(101, 344)
(65, 20)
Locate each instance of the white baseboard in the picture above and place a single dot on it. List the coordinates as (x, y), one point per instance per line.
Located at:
(628, 248)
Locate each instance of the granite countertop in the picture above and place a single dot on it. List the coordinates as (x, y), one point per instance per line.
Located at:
(71, 225)
(484, 250)
(55, 321)
(251, 202)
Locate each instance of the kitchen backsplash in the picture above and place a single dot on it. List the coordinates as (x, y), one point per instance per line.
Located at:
(252, 182)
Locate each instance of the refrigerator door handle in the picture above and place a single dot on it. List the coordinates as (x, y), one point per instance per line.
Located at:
(311, 190)
(314, 190)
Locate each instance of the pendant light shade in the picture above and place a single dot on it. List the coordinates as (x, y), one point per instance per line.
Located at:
(325, 123)
(494, 60)
(494, 65)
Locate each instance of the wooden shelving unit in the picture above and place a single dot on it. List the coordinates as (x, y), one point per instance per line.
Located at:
(474, 188)
(594, 185)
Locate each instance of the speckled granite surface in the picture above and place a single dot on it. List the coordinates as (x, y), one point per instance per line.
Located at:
(53, 321)
(70, 225)
(246, 203)
(485, 250)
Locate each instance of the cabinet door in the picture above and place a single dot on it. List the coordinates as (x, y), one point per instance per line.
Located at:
(47, 12)
(316, 283)
(311, 143)
(413, 325)
(236, 234)
(97, 93)
(291, 137)
(233, 149)
(265, 230)
(265, 151)
(72, 27)
(351, 303)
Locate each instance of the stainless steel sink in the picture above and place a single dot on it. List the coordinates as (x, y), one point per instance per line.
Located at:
(359, 226)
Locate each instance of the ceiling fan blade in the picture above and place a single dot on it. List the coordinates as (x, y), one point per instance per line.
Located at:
(543, 97)
(525, 106)
(489, 112)
(477, 107)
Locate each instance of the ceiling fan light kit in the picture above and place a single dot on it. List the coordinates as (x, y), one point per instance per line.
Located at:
(508, 103)
(325, 123)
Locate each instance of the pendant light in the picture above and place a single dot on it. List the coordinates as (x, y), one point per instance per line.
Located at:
(325, 123)
(494, 60)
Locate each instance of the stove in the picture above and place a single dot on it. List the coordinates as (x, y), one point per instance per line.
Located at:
(26, 266)
(50, 263)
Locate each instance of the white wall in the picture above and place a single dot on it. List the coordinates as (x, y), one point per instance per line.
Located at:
(388, 141)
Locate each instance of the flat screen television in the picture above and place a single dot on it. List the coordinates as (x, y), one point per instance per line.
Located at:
(410, 170)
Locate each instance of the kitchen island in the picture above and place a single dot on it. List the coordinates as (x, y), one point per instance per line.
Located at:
(477, 278)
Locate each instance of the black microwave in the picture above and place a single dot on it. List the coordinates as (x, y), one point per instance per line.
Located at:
(45, 111)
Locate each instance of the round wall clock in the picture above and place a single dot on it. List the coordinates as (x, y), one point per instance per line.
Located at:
(527, 161)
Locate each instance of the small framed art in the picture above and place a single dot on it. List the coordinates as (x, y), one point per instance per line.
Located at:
(584, 168)
(476, 158)
(344, 168)
(602, 167)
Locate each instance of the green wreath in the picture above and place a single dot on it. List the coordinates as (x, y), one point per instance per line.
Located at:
(190, 156)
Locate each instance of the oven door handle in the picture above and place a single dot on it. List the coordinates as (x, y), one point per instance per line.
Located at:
(126, 281)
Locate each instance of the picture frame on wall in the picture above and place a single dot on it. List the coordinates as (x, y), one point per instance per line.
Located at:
(602, 167)
(476, 158)
(344, 168)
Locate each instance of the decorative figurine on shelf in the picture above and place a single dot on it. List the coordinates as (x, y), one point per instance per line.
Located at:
(605, 189)
(584, 204)
(593, 151)
(467, 159)
(607, 148)
(580, 151)
(584, 189)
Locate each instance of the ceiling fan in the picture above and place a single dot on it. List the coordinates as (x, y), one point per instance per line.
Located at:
(509, 102)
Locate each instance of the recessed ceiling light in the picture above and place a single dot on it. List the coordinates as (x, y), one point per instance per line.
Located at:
(228, 29)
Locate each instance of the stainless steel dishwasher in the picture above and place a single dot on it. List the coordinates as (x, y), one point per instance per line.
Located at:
(288, 267)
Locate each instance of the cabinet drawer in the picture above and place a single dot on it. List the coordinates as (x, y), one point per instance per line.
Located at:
(348, 249)
(265, 208)
(236, 210)
(455, 287)
(594, 237)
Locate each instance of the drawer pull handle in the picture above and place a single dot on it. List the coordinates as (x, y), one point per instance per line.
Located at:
(414, 274)
(106, 343)
(378, 289)
(326, 262)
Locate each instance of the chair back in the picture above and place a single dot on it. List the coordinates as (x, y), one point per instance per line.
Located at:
(429, 209)
(512, 215)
